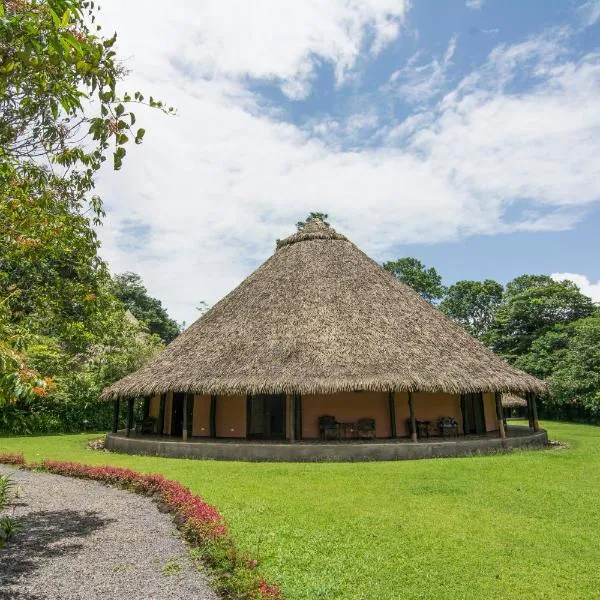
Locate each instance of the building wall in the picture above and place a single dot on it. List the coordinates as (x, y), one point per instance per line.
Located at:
(402, 414)
(489, 411)
(428, 407)
(231, 416)
(201, 416)
(154, 407)
(346, 406)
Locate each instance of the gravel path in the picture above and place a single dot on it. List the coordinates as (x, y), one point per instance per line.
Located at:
(84, 540)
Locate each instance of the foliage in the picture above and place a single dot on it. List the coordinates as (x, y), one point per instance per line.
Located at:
(312, 216)
(61, 118)
(117, 345)
(336, 531)
(129, 288)
(411, 271)
(532, 306)
(473, 304)
(201, 524)
(568, 357)
(9, 492)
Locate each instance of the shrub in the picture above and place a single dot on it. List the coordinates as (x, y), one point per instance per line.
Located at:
(11, 459)
(8, 524)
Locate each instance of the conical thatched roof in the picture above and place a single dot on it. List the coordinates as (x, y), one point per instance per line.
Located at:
(320, 316)
(512, 400)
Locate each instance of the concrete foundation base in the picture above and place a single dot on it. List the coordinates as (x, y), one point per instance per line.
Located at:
(313, 451)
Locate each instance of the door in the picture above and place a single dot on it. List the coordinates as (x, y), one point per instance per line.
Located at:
(266, 416)
(177, 415)
(473, 416)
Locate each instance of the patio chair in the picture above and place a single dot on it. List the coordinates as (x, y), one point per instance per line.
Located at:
(328, 428)
(147, 425)
(448, 427)
(366, 429)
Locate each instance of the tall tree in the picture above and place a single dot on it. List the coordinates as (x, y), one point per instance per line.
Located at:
(532, 306)
(426, 281)
(473, 304)
(130, 289)
(61, 117)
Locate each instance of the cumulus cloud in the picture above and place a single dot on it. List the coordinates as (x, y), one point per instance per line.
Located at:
(582, 282)
(474, 4)
(283, 41)
(200, 204)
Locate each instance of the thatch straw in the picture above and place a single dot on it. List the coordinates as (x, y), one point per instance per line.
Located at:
(512, 400)
(320, 316)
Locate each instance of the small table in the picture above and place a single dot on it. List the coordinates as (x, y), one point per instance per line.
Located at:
(347, 430)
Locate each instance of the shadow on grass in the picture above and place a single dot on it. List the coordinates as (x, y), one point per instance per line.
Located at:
(46, 535)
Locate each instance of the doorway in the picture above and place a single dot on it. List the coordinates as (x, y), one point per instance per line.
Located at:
(266, 416)
(473, 415)
(177, 415)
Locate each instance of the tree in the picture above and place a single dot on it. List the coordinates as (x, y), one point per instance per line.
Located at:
(129, 288)
(472, 304)
(426, 281)
(61, 117)
(312, 216)
(532, 306)
(575, 380)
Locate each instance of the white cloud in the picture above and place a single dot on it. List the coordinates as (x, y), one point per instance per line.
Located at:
(418, 83)
(282, 40)
(589, 12)
(212, 188)
(474, 4)
(582, 282)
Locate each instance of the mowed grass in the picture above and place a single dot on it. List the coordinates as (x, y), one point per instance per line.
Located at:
(519, 525)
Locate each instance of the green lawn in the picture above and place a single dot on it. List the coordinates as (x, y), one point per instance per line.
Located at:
(522, 525)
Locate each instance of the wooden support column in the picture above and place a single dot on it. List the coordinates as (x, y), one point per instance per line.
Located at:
(536, 425)
(413, 418)
(160, 426)
(291, 416)
(130, 402)
(392, 401)
(184, 432)
(499, 416)
(213, 416)
(528, 398)
(116, 408)
(298, 413)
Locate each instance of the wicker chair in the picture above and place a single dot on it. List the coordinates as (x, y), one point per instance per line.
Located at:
(328, 428)
(366, 429)
(448, 427)
(147, 425)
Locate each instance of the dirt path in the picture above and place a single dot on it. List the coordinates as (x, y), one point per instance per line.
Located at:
(84, 540)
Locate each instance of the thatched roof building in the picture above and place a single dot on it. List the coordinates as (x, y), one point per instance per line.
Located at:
(512, 401)
(320, 316)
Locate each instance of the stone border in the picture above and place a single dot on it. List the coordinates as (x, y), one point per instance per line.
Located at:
(333, 452)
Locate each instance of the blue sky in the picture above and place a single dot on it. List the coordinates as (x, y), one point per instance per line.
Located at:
(463, 132)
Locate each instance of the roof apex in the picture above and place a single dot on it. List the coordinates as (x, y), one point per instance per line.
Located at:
(315, 229)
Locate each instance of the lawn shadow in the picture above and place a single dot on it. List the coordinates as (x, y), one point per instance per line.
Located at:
(46, 535)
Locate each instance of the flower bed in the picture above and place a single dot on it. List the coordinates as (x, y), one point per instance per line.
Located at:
(234, 575)
(11, 459)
